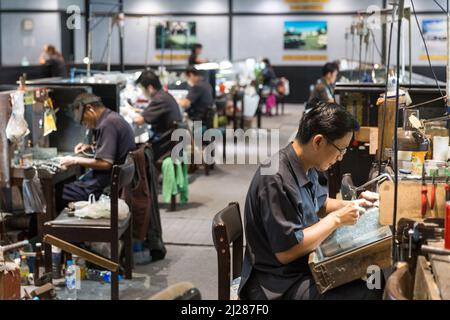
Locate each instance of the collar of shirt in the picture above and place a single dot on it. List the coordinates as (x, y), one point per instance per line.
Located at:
(102, 118)
(297, 166)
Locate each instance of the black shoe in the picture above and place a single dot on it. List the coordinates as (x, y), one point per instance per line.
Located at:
(157, 254)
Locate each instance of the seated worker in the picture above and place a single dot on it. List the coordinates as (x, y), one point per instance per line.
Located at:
(194, 58)
(199, 98)
(113, 140)
(53, 58)
(288, 214)
(324, 88)
(268, 74)
(162, 111)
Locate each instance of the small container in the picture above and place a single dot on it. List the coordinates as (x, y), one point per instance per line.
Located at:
(440, 148)
(56, 262)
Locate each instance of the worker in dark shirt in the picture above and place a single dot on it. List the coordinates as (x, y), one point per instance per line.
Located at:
(288, 214)
(268, 74)
(200, 96)
(55, 60)
(324, 88)
(162, 113)
(194, 58)
(113, 140)
(163, 109)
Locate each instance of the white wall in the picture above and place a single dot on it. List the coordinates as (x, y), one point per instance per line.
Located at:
(283, 6)
(418, 49)
(168, 6)
(254, 36)
(215, 44)
(264, 38)
(30, 4)
(17, 43)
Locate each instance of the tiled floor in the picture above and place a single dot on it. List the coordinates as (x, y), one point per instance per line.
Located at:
(187, 232)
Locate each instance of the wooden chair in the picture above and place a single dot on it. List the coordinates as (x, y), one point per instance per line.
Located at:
(227, 230)
(399, 284)
(73, 229)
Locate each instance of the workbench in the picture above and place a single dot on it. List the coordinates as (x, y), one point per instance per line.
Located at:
(432, 281)
(49, 181)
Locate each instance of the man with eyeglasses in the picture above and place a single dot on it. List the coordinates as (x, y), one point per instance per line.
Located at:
(289, 214)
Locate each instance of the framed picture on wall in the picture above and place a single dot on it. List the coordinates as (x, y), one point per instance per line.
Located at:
(306, 35)
(176, 35)
(435, 33)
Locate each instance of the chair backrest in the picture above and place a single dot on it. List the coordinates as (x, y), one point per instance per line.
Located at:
(122, 176)
(399, 285)
(227, 230)
(163, 147)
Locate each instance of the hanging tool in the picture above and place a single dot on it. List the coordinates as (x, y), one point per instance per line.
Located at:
(424, 192)
(447, 188)
(433, 189)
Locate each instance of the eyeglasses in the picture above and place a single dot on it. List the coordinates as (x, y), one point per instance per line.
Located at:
(341, 151)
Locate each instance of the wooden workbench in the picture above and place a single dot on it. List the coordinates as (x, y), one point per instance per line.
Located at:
(48, 181)
(432, 280)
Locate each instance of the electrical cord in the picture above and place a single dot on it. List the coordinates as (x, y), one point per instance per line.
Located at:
(424, 103)
(426, 48)
(383, 123)
(397, 103)
(375, 43)
(441, 7)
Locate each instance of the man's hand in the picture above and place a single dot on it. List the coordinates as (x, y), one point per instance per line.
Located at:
(349, 214)
(67, 162)
(81, 147)
(372, 197)
(184, 103)
(139, 120)
(363, 203)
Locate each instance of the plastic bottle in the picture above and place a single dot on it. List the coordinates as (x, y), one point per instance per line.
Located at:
(71, 286)
(76, 261)
(56, 262)
(24, 270)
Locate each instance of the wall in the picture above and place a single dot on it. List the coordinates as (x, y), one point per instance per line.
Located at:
(257, 31)
(18, 44)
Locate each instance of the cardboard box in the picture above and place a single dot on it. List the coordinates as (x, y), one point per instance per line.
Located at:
(9, 282)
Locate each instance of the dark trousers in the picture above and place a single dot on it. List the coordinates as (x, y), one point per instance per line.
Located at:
(305, 289)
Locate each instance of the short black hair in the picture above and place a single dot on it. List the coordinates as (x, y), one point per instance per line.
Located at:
(329, 67)
(192, 70)
(266, 61)
(149, 78)
(329, 119)
(196, 46)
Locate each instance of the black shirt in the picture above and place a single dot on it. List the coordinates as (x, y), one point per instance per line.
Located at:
(277, 210)
(57, 67)
(322, 92)
(162, 112)
(269, 77)
(192, 59)
(114, 139)
(201, 98)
